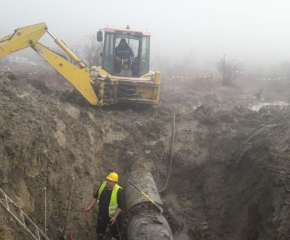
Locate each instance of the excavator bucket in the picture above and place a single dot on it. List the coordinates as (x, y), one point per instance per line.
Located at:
(22, 38)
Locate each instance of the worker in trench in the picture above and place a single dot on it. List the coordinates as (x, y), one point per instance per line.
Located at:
(110, 200)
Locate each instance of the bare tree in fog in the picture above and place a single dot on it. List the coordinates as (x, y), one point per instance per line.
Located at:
(285, 68)
(184, 66)
(228, 69)
(89, 50)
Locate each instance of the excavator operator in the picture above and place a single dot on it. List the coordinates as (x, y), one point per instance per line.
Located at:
(123, 55)
(110, 201)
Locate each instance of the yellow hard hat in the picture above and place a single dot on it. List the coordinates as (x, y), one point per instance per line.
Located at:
(113, 177)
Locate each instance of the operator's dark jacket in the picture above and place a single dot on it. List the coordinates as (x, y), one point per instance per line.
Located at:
(124, 52)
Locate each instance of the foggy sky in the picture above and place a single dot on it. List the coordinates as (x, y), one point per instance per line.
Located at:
(248, 30)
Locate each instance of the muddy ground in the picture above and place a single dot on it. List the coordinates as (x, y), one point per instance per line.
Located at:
(231, 171)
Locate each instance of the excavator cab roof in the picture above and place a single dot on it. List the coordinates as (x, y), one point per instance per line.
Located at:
(127, 30)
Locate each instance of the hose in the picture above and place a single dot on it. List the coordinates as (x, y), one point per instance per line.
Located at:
(128, 92)
(171, 155)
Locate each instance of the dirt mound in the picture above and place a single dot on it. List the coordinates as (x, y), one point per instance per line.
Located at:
(230, 174)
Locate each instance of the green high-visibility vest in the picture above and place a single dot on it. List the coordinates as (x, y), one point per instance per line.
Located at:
(113, 202)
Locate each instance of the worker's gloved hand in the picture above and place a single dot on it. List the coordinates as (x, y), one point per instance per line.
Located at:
(113, 220)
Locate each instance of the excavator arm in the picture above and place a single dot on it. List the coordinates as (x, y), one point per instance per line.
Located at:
(78, 75)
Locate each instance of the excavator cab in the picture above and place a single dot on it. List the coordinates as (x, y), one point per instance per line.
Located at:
(138, 41)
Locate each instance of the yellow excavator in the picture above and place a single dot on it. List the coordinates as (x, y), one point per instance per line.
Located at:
(117, 80)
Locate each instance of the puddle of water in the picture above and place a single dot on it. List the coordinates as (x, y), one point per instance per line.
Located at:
(258, 106)
(172, 199)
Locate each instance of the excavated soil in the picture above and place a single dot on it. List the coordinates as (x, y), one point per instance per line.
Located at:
(230, 177)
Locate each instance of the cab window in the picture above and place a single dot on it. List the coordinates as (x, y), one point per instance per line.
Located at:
(108, 57)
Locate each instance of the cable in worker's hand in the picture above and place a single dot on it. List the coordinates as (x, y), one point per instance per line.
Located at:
(118, 230)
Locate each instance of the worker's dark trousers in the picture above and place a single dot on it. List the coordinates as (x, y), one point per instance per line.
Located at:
(103, 222)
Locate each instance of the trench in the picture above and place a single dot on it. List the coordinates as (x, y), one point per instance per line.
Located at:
(230, 166)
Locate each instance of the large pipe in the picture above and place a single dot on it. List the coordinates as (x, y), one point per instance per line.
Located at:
(143, 220)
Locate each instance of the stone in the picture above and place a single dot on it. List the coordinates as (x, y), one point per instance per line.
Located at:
(147, 152)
